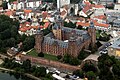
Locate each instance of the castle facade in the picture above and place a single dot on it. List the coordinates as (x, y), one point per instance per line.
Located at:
(63, 40)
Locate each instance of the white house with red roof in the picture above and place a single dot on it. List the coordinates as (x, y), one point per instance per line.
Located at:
(99, 6)
(30, 29)
(100, 18)
(87, 9)
(98, 26)
(14, 5)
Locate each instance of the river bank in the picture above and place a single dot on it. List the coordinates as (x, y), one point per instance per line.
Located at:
(26, 74)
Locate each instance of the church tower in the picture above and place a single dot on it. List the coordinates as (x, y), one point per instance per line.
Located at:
(38, 41)
(92, 33)
(57, 28)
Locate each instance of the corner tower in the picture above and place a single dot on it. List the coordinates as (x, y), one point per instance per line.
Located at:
(72, 45)
(38, 41)
(92, 33)
(57, 28)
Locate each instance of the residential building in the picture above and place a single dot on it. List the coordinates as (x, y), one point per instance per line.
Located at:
(104, 2)
(114, 49)
(28, 4)
(117, 6)
(61, 3)
(98, 26)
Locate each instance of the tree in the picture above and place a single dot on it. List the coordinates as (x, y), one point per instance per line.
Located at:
(116, 69)
(28, 43)
(70, 24)
(6, 34)
(59, 57)
(89, 67)
(72, 10)
(40, 71)
(79, 73)
(91, 75)
(4, 5)
(66, 58)
(11, 42)
(74, 61)
(26, 65)
(82, 55)
(14, 31)
(41, 54)
(98, 44)
(33, 68)
(23, 37)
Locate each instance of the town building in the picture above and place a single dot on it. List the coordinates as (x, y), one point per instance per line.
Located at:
(1, 2)
(63, 40)
(114, 49)
(113, 18)
(98, 26)
(61, 3)
(117, 7)
(105, 2)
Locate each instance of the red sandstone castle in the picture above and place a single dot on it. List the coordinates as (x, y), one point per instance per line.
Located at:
(64, 40)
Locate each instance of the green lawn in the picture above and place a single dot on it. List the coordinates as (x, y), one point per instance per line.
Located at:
(50, 57)
(46, 56)
(33, 53)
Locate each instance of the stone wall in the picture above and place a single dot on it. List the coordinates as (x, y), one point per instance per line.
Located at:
(51, 63)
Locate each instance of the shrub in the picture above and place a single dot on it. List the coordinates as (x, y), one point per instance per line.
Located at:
(59, 57)
(41, 54)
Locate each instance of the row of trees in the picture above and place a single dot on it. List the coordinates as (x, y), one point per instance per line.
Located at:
(108, 68)
(8, 32)
(25, 67)
(75, 61)
(9, 36)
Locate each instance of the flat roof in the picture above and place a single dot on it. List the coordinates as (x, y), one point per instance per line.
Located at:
(116, 44)
(92, 57)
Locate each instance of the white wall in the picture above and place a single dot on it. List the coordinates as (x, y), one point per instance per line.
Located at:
(61, 3)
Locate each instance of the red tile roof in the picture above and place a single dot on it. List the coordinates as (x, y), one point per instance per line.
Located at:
(8, 13)
(44, 14)
(99, 6)
(102, 25)
(86, 8)
(63, 13)
(46, 25)
(27, 11)
(95, 23)
(1, 8)
(24, 28)
(101, 17)
(15, 2)
(83, 24)
(87, 3)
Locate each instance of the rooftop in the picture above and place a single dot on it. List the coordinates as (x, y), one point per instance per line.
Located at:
(116, 44)
(92, 57)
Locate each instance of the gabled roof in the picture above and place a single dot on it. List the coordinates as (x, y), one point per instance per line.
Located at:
(101, 17)
(44, 14)
(27, 11)
(9, 13)
(83, 24)
(46, 25)
(63, 13)
(86, 9)
(15, 2)
(99, 6)
(95, 23)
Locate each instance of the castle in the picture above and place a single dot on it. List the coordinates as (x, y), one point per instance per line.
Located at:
(64, 40)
